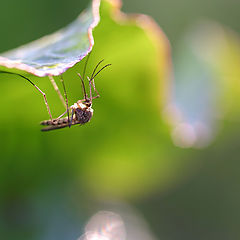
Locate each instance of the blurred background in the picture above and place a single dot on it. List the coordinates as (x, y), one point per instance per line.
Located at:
(163, 148)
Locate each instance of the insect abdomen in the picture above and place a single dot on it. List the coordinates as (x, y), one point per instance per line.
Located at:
(54, 122)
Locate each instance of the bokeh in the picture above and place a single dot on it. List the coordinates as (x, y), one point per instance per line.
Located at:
(162, 150)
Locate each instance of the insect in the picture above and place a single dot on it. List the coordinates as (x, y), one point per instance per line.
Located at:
(80, 112)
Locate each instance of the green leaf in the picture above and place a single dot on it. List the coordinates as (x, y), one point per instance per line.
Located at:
(55, 53)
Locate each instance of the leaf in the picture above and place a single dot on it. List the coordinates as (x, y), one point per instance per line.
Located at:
(55, 53)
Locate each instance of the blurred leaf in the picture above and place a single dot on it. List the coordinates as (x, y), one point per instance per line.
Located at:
(207, 83)
(222, 53)
(55, 53)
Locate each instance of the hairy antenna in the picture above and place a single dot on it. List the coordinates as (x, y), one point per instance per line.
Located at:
(99, 71)
(96, 68)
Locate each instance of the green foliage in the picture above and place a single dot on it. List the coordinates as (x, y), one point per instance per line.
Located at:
(126, 151)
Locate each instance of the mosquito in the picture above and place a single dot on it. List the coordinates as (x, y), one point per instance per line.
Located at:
(80, 112)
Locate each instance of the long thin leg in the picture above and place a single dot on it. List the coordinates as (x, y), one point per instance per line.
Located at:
(95, 90)
(44, 95)
(82, 78)
(65, 94)
(85, 65)
(96, 97)
(45, 100)
(62, 114)
(71, 118)
(55, 86)
(91, 83)
(90, 89)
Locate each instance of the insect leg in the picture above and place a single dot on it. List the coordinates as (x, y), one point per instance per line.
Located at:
(55, 86)
(70, 124)
(65, 94)
(91, 83)
(85, 65)
(62, 114)
(44, 95)
(45, 100)
(90, 89)
(94, 75)
(95, 90)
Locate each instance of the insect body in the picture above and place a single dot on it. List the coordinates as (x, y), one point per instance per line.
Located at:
(82, 113)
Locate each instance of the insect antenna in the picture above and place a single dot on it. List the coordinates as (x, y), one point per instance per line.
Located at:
(43, 94)
(91, 80)
(83, 76)
(96, 68)
(92, 77)
(83, 87)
